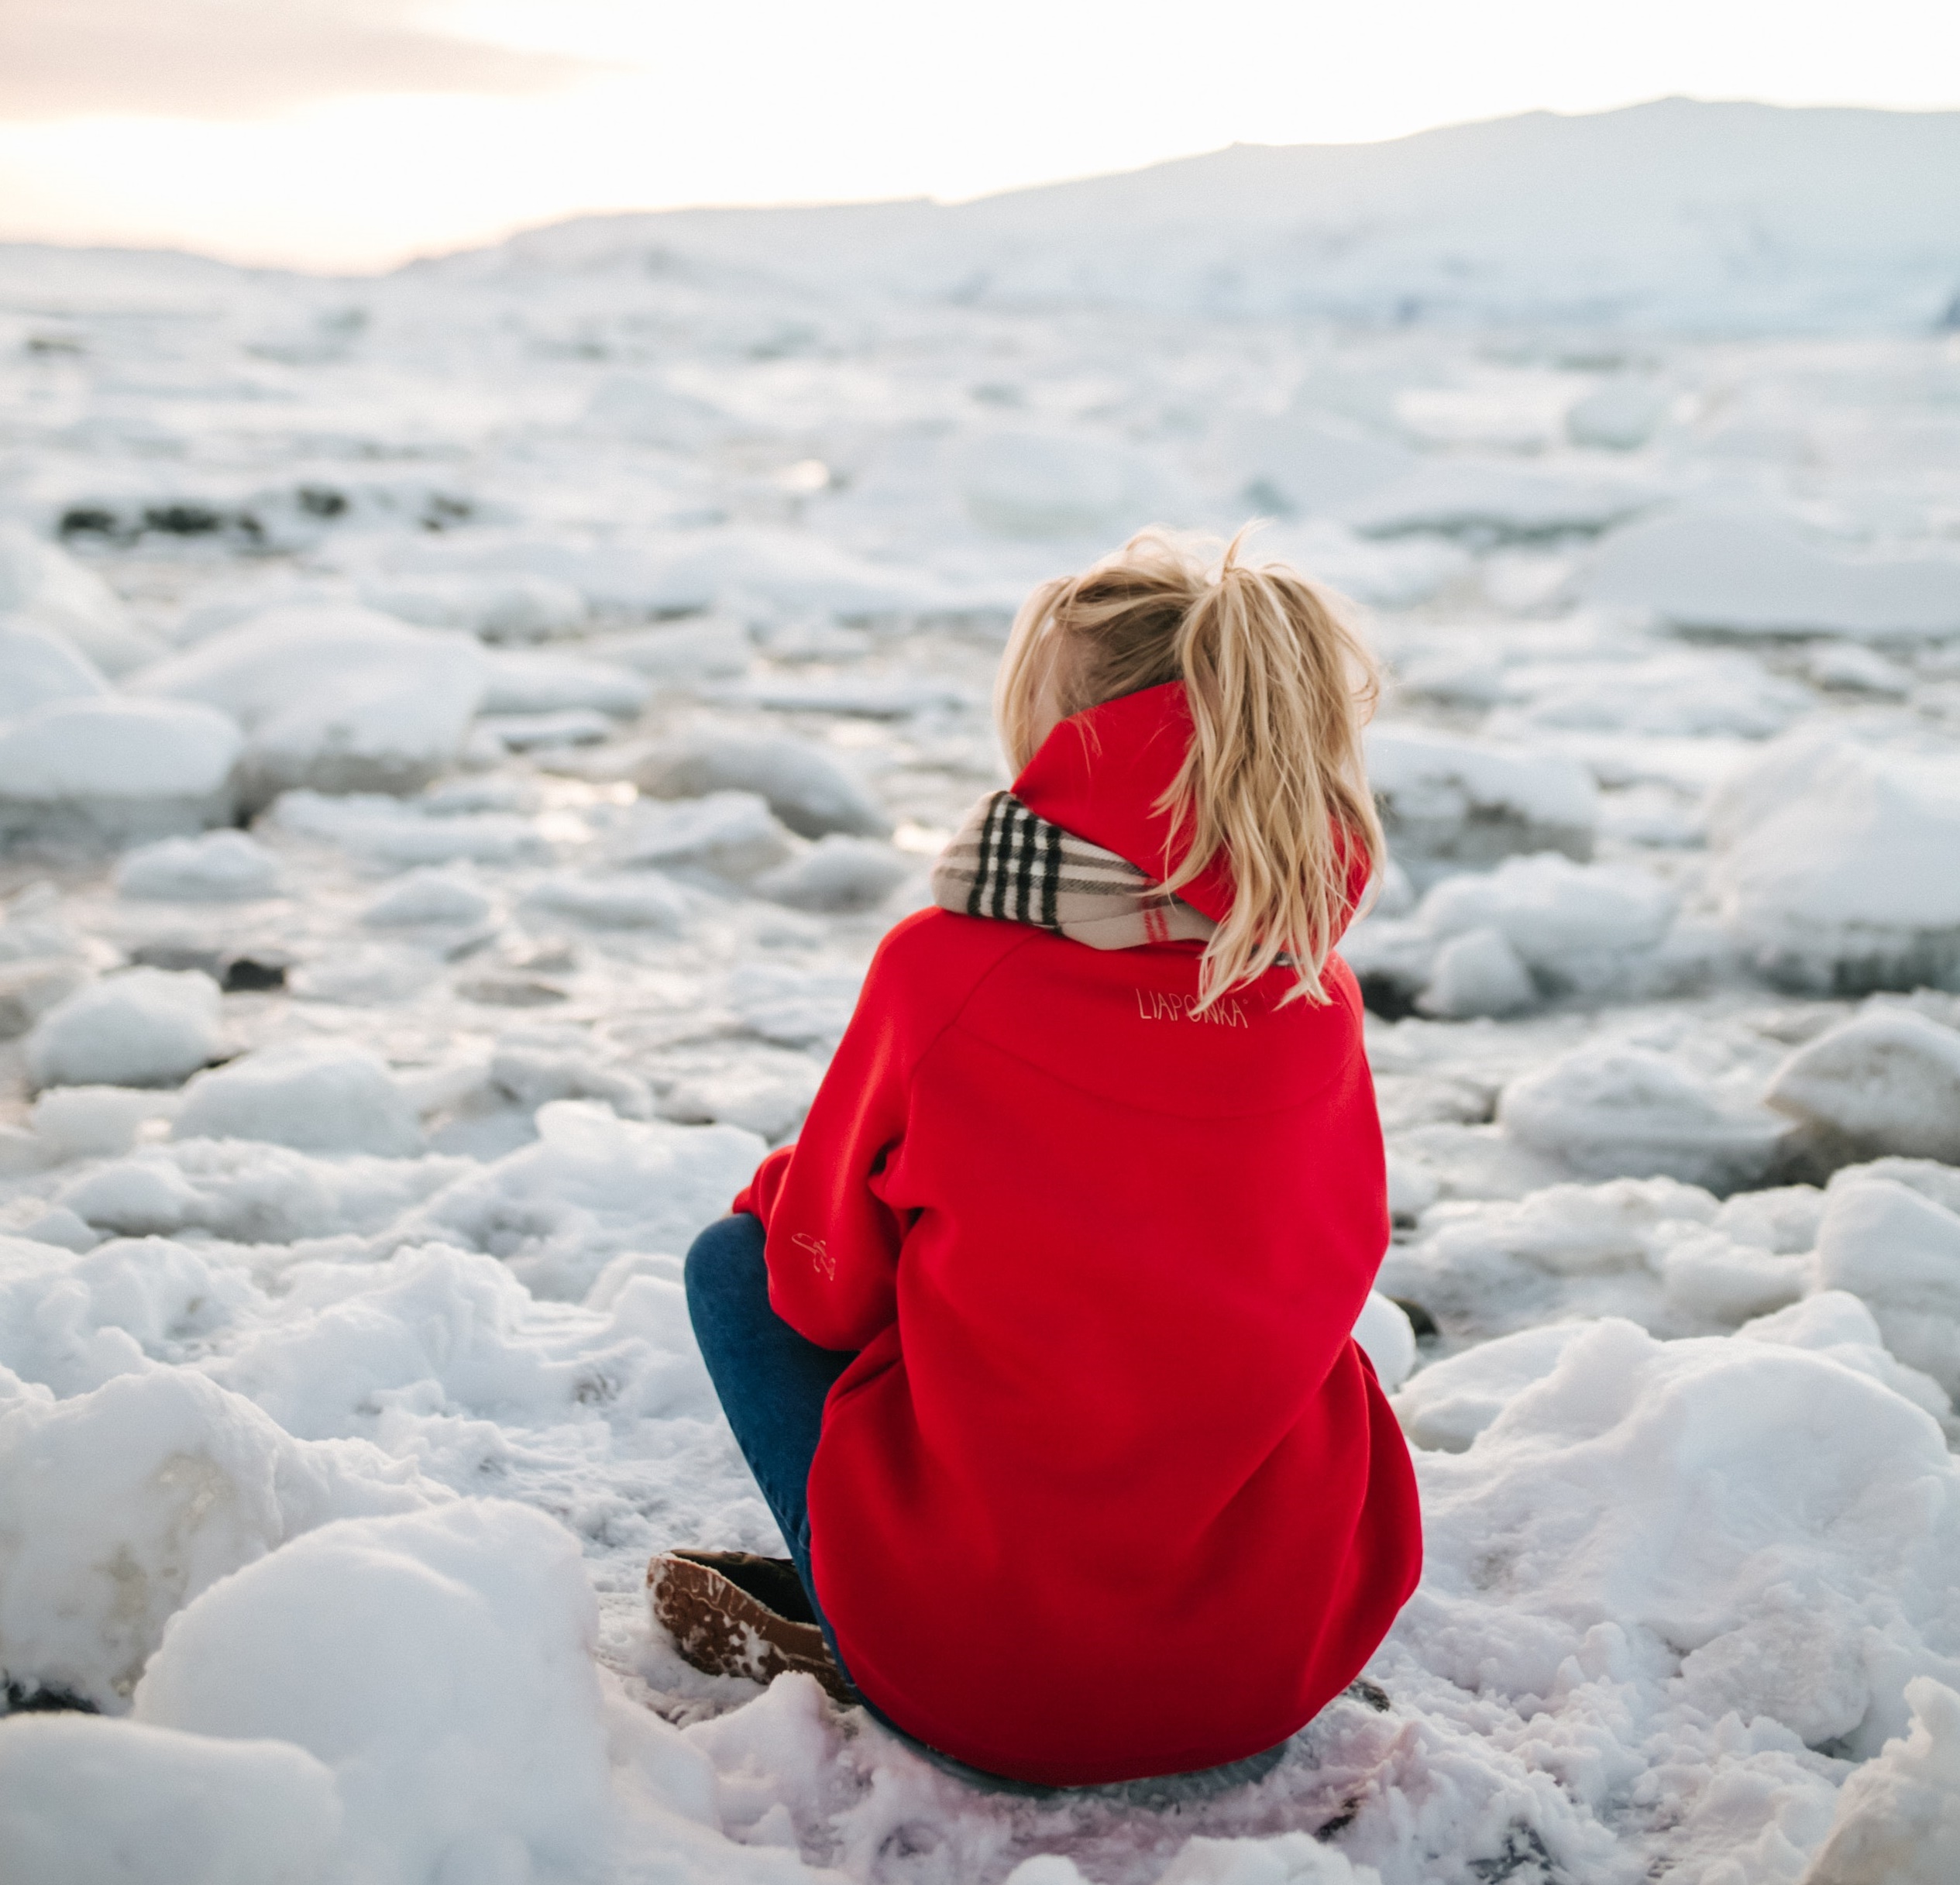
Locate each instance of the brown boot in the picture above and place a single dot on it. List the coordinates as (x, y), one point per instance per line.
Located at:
(732, 1613)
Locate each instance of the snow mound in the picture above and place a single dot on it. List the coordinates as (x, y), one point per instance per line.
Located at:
(1887, 1081)
(1477, 971)
(524, 681)
(838, 875)
(42, 586)
(1899, 1252)
(593, 1185)
(122, 1504)
(219, 867)
(86, 1121)
(143, 1027)
(810, 792)
(513, 608)
(702, 649)
(430, 898)
(1628, 1112)
(1835, 865)
(727, 834)
(1749, 573)
(1898, 1818)
(1388, 1338)
(439, 1662)
(1654, 1487)
(1494, 501)
(83, 1801)
(641, 900)
(40, 664)
(333, 697)
(1470, 802)
(391, 830)
(1575, 927)
(1300, 462)
(116, 768)
(1619, 415)
(323, 1096)
(1043, 486)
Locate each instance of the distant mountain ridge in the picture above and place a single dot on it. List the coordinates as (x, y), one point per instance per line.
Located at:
(1675, 214)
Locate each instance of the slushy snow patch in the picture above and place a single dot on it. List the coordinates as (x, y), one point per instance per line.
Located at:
(143, 1027)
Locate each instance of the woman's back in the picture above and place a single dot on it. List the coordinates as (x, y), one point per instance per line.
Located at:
(1110, 1491)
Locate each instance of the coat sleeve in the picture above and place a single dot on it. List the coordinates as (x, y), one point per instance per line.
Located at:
(832, 1244)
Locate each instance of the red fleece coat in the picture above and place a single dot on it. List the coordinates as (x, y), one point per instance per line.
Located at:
(1110, 1491)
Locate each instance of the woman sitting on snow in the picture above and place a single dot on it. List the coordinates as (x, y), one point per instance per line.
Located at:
(1037, 1340)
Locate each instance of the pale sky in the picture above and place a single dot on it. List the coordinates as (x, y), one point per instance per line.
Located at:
(351, 134)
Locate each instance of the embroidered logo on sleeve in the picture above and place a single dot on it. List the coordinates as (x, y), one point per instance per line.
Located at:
(817, 1249)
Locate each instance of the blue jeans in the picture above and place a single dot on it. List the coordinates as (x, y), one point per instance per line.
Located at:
(773, 1383)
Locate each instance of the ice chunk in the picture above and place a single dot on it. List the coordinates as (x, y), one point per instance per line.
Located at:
(761, 1090)
(1575, 927)
(1491, 499)
(593, 1185)
(731, 834)
(42, 586)
(1388, 1340)
(83, 1801)
(522, 681)
(838, 874)
(1835, 867)
(1898, 1817)
(392, 831)
(1836, 1323)
(143, 1027)
(1899, 1252)
(1620, 415)
(642, 899)
(40, 664)
(96, 1121)
(1708, 1277)
(697, 650)
(1043, 485)
(1453, 1401)
(1754, 573)
(1886, 1081)
(440, 1663)
(1299, 463)
(510, 608)
(316, 1096)
(122, 1504)
(118, 768)
(1689, 692)
(29, 987)
(220, 867)
(808, 790)
(430, 897)
(1617, 1111)
(1466, 801)
(333, 697)
(1478, 972)
(1733, 1506)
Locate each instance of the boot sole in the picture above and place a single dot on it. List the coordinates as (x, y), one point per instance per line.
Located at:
(720, 1629)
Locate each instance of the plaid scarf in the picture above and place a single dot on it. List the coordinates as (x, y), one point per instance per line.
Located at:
(1005, 861)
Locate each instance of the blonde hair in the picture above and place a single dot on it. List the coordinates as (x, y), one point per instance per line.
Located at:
(1279, 687)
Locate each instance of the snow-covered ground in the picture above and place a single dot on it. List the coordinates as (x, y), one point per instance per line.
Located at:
(461, 736)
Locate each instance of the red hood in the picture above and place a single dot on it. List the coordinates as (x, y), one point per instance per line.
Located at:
(1101, 773)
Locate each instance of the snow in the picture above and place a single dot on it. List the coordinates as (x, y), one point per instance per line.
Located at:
(220, 867)
(328, 1097)
(1834, 864)
(1886, 1081)
(145, 1026)
(1758, 575)
(595, 634)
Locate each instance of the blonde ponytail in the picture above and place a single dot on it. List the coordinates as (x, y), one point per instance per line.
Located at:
(1279, 688)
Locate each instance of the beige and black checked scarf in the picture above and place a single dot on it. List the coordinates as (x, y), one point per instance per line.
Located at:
(1005, 861)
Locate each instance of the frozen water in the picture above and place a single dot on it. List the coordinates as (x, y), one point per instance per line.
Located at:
(645, 581)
